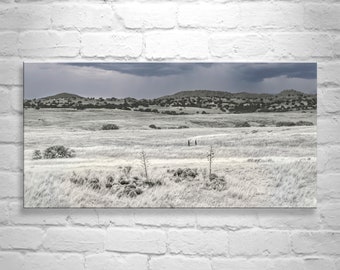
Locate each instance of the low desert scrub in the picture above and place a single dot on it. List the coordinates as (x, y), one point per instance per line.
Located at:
(110, 127)
(242, 124)
(52, 152)
(154, 127)
(285, 124)
(304, 123)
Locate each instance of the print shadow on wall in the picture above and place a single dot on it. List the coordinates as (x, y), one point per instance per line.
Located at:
(170, 135)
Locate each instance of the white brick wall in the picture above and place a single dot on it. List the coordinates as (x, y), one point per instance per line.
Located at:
(195, 30)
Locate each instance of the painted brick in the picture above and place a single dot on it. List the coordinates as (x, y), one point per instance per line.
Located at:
(74, 239)
(11, 260)
(11, 185)
(10, 157)
(330, 215)
(11, 72)
(179, 263)
(111, 44)
(258, 243)
(239, 45)
(3, 212)
(322, 16)
(135, 240)
(184, 44)
(104, 261)
(10, 129)
(20, 238)
(167, 217)
(72, 16)
(193, 242)
(42, 261)
(8, 44)
(144, 15)
(49, 44)
(328, 187)
(117, 217)
(5, 95)
(326, 243)
(328, 101)
(24, 17)
(18, 215)
(209, 15)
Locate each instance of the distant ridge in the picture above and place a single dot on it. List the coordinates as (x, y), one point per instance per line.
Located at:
(222, 94)
(62, 95)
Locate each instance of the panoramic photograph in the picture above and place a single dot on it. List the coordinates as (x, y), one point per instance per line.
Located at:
(170, 135)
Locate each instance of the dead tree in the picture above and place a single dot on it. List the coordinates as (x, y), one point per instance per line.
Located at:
(210, 157)
(144, 162)
(188, 142)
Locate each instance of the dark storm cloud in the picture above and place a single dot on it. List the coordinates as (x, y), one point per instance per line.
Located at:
(259, 72)
(152, 80)
(145, 69)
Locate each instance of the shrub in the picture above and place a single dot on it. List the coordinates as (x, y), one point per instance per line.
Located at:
(304, 123)
(153, 126)
(109, 127)
(37, 154)
(285, 124)
(58, 151)
(180, 127)
(242, 124)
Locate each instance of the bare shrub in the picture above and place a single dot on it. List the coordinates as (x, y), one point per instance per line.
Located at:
(242, 124)
(304, 123)
(144, 163)
(210, 156)
(285, 124)
(110, 127)
(37, 154)
(58, 151)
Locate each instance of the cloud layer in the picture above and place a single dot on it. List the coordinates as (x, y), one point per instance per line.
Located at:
(150, 80)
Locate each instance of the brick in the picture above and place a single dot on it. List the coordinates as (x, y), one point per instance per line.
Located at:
(5, 96)
(239, 45)
(115, 217)
(49, 44)
(136, 240)
(299, 45)
(85, 217)
(11, 260)
(231, 219)
(74, 239)
(3, 212)
(144, 15)
(322, 16)
(209, 15)
(167, 217)
(21, 216)
(11, 72)
(255, 264)
(328, 159)
(179, 263)
(319, 263)
(328, 130)
(336, 46)
(10, 157)
(328, 187)
(184, 44)
(11, 129)
(328, 101)
(197, 242)
(66, 16)
(112, 44)
(330, 215)
(42, 261)
(271, 15)
(20, 238)
(105, 261)
(316, 243)
(257, 243)
(287, 219)
(8, 45)
(10, 185)
(24, 17)
(17, 99)
(328, 74)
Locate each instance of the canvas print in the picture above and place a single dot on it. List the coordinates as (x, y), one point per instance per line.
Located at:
(172, 135)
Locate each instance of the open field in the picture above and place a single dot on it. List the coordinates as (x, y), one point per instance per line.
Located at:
(257, 166)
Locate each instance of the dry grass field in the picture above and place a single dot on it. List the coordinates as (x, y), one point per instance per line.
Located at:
(258, 166)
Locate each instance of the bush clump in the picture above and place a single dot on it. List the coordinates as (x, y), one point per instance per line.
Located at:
(304, 123)
(109, 127)
(242, 124)
(58, 151)
(37, 154)
(285, 124)
(154, 127)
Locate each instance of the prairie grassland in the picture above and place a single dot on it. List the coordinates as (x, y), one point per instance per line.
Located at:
(257, 166)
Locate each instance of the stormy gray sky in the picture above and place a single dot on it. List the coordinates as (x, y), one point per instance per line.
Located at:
(152, 80)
